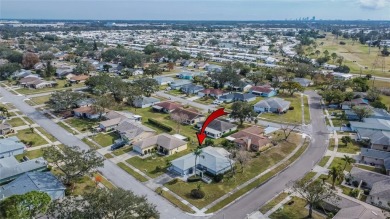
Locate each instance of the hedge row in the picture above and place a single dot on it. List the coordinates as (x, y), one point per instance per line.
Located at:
(160, 125)
(229, 133)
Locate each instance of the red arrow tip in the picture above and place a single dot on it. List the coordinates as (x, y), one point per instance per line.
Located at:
(201, 137)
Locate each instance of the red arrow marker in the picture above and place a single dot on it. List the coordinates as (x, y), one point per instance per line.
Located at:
(218, 113)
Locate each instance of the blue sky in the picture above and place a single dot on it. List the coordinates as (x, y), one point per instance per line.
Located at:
(195, 9)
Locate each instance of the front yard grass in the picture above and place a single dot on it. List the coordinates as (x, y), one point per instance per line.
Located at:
(28, 120)
(105, 139)
(132, 172)
(308, 176)
(174, 200)
(350, 148)
(49, 136)
(175, 92)
(331, 144)
(83, 185)
(337, 161)
(205, 101)
(65, 127)
(30, 154)
(122, 150)
(60, 86)
(28, 136)
(15, 122)
(295, 210)
(81, 125)
(108, 156)
(104, 181)
(265, 208)
(323, 161)
(371, 168)
(254, 167)
(306, 110)
(41, 99)
(291, 116)
(90, 144)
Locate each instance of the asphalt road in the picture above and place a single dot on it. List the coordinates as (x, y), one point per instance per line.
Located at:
(111, 171)
(266, 192)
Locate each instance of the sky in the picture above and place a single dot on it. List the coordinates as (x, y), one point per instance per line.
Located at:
(195, 9)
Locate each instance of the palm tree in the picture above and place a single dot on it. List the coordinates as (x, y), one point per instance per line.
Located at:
(348, 160)
(336, 173)
(198, 153)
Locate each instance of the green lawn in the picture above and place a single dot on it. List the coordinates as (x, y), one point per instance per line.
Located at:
(81, 125)
(174, 200)
(105, 182)
(30, 154)
(331, 144)
(254, 167)
(83, 185)
(105, 139)
(306, 110)
(90, 144)
(28, 120)
(122, 150)
(49, 136)
(371, 168)
(108, 156)
(15, 122)
(323, 161)
(175, 93)
(60, 86)
(265, 208)
(28, 136)
(205, 101)
(40, 100)
(65, 127)
(337, 161)
(308, 176)
(291, 116)
(294, 211)
(130, 171)
(351, 148)
(337, 122)
(154, 167)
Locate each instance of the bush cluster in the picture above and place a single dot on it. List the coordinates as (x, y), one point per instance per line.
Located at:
(160, 125)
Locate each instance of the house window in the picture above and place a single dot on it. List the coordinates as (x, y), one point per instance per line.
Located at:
(385, 147)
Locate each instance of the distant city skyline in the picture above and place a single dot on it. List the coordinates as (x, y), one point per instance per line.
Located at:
(195, 9)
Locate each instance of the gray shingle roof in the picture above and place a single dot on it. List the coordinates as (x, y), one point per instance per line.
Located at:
(132, 129)
(10, 167)
(164, 140)
(367, 176)
(381, 189)
(374, 153)
(10, 144)
(274, 102)
(219, 125)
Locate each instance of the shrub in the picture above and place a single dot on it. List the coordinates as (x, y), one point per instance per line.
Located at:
(218, 178)
(364, 184)
(68, 192)
(366, 192)
(355, 183)
(160, 125)
(342, 43)
(194, 178)
(354, 193)
(229, 133)
(291, 108)
(209, 142)
(174, 181)
(197, 194)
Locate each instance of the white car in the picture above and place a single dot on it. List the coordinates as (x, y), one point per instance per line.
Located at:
(217, 102)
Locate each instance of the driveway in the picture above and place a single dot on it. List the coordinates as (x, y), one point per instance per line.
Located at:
(111, 171)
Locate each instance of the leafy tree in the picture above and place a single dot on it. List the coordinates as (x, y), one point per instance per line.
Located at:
(95, 47)
(362, 111)
(256, 77)
(213, 42)
(226, 75)
(50, 70)
(153, 70)
(101, 203)
(313, 193)
(243, 157)
(64, 100)
(73, 162)
(326, 53)
(373, 94)
(340, 60)
(7, 69)
(26, 206)
(149, 49)
(317, 52)
(106, 67)
(29, 60)
(336, 173)
(346, 140)
(147, 86)
(46, 56)
(14, 56)
(241, 111)
(102, 103)
(333, 96)
(342, 69)
(170, 66)
(348, 160)
(334, 57)
(379, 104)
(292, 87)
(85, 67)
(179, 118)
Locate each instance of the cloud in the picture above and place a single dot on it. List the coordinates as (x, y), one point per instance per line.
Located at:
(374, 4)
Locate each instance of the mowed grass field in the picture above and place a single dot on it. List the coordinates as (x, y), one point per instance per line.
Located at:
(355, 55)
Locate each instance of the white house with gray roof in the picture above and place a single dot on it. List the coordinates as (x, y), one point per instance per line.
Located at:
(164, 144)
(273, 104)
(217, 128)
(213, 160)
(10, 147)
(376, 157)
(34, 181)
(10, 168)
(143, 102)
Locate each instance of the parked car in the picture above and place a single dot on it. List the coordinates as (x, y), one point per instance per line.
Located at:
(217, 102)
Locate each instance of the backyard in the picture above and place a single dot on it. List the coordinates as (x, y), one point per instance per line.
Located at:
(255, 166)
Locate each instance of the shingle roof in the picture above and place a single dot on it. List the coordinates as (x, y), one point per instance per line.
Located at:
(191, 115)
(132, 129)
(374, 153)
(10, 144)
(262, 89)
(274, 102)
(164, 140)
(168, 105)
(219, 125)
(9, 166)
(381, 189)
(253, 133)
(368, 176)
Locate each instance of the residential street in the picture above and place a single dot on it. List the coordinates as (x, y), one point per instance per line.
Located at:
(110, 170)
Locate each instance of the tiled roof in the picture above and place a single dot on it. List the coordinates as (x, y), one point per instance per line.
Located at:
(191, 114)
(168, 105)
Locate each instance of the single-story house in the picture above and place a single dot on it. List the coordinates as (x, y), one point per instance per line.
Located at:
(211, 92)
(274, 104)
(217, 128)
(251, 139)
(378, 140)
(341, 76)
(213, 68)
(33, 81)
(85, 102)
(5, 128)
(161, 80)
(10, 168)
(143, 102)
(264, 91)
(213, 160)
(380, 194)
(191, 88)
(377, 114)
(132, 131)
(304, 82)
(241, 86)
(346, 105)
(186, 75)
(177, 84)
(166, 106)
(88, 112)
(34, 181)
(11, 146)
(78, 79)
(113, 118)
(329, 67)
(164, 144)
(371, 156)
(371, 124)
(192, 116)
(232, 97)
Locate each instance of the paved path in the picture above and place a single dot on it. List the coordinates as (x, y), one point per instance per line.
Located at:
(111, 171)
(267, 191)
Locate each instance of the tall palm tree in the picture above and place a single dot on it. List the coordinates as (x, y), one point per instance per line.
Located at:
(336, 173)
(348, 160)
(198, 153)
